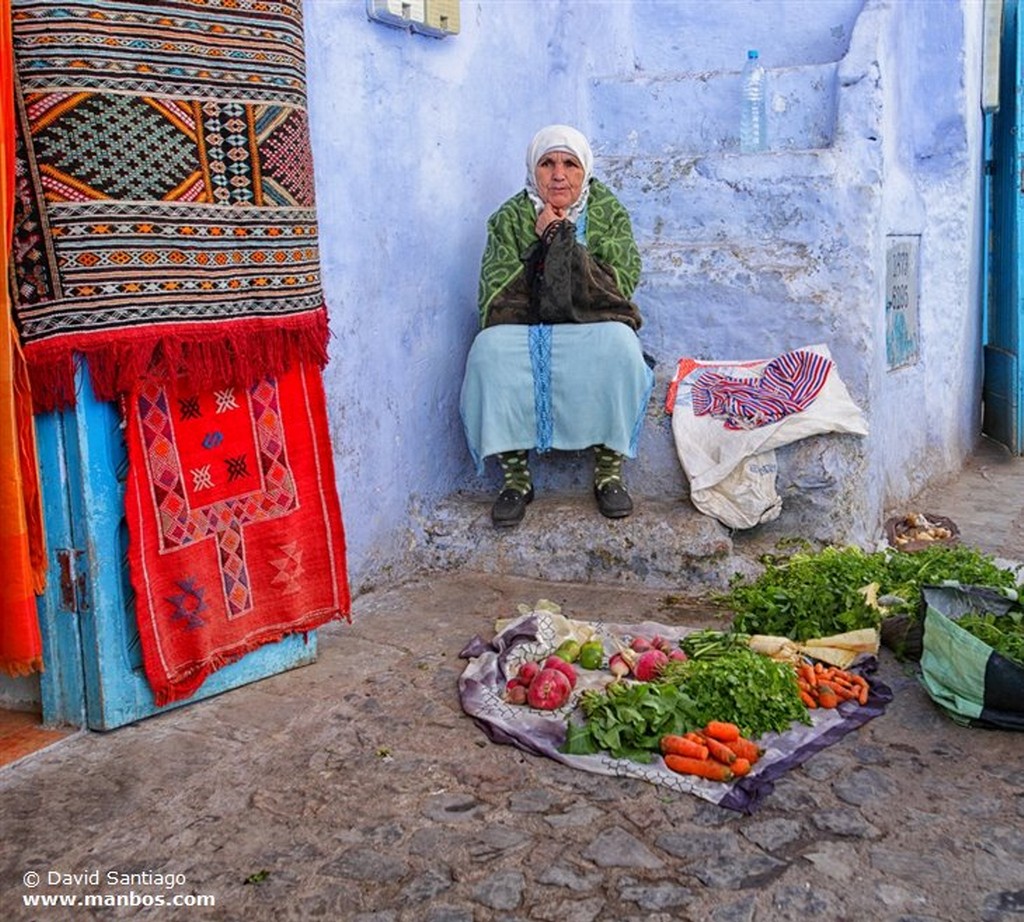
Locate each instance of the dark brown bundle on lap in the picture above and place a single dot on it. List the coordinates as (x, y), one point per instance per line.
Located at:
(567, 285)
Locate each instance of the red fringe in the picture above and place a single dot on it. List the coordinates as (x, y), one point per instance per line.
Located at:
(189, 681)
(221, 354)
(22, 667)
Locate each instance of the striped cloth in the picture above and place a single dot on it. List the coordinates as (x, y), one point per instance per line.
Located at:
(787, 385)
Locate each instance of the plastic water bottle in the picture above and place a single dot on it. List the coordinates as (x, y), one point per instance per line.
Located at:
(753, 114)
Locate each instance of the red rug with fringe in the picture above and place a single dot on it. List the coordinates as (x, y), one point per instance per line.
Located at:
(165, 219)
(234, 520)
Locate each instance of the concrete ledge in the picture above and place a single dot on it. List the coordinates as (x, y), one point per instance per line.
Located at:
(663, 544)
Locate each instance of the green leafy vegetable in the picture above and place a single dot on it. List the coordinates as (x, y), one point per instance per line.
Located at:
(709, 642)
(734, 684)
(1003, 633)
(809, 594)
(755, 692)
(628, 720)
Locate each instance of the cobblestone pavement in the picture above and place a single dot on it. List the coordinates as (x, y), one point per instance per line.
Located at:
(356, 789)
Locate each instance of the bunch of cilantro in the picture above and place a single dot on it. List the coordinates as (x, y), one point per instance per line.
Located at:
(815, 594)
(738, 685)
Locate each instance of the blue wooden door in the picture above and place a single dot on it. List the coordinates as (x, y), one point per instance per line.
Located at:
(1003, 404)
(94, 675)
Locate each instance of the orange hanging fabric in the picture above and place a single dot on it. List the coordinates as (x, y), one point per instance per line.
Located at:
(21, 523)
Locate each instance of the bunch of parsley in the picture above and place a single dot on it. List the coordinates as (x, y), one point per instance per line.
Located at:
(815, 594)
(737, 685)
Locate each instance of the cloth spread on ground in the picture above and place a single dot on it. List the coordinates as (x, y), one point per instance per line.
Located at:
(536, 634)
(566, 386)
(21, 523)
(728, 418)
(235, 525)
(165, 220)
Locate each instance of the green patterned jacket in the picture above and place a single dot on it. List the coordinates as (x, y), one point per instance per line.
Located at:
(510, 233)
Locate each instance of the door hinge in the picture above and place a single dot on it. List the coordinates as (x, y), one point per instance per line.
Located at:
(72, 581)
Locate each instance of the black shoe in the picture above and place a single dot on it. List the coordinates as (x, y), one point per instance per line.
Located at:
(510, 507)
(613, 500)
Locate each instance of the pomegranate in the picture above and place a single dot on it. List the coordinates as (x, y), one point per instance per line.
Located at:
(517, 694)
(567, 669)
(549, 690)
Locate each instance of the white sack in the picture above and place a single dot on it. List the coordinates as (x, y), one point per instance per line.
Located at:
(732, 471)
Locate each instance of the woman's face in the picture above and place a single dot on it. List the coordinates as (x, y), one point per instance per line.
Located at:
(559, 177)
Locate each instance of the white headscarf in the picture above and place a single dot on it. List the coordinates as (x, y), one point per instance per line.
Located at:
(563, 138)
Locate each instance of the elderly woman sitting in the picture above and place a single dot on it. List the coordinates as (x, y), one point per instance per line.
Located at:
(557, 363)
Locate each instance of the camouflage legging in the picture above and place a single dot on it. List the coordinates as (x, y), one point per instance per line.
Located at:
(515, 468)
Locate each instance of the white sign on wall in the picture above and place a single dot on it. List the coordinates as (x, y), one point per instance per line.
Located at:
(901, 300)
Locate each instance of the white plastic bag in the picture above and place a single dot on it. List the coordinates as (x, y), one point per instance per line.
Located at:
(727, 446)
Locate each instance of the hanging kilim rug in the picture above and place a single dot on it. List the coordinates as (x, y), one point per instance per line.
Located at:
(165, 215)
(234, 520)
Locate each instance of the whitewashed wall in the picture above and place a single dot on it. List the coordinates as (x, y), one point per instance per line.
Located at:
(876, 132)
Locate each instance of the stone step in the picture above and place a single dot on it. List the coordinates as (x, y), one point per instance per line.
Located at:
(670, 35)
(768, 201)
(700, 112)
(665, 543)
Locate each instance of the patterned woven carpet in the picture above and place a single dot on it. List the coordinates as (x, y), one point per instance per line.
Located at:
(165, 217)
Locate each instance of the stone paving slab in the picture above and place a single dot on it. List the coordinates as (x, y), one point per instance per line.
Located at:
(356, 789)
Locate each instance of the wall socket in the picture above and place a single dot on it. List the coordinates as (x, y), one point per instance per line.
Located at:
(436, 18)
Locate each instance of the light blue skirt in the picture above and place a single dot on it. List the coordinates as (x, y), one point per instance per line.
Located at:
(566, 387)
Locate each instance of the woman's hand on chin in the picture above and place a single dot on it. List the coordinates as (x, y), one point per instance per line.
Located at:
(547, 215)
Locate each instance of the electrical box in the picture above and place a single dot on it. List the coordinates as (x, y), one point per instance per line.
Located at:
(436, 18)
(442, 16)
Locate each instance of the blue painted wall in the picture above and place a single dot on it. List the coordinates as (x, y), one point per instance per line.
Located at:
(875, 131)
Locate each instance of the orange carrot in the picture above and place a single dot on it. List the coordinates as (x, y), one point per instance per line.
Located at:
(860, 684)
(671, 744)
(745, 749)
(722, 730)
(827, 697)
(703, 768)
(808, 700)
(718, 750)
(806, 672)
(843, 692)
(740, 767)
(695, 736)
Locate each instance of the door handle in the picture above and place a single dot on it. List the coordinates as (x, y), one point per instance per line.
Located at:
(72, 583)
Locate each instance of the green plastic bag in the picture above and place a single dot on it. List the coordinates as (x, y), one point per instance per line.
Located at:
(963, 675)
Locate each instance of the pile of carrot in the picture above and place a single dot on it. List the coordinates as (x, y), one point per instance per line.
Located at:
(828, 686)
(718, 752)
